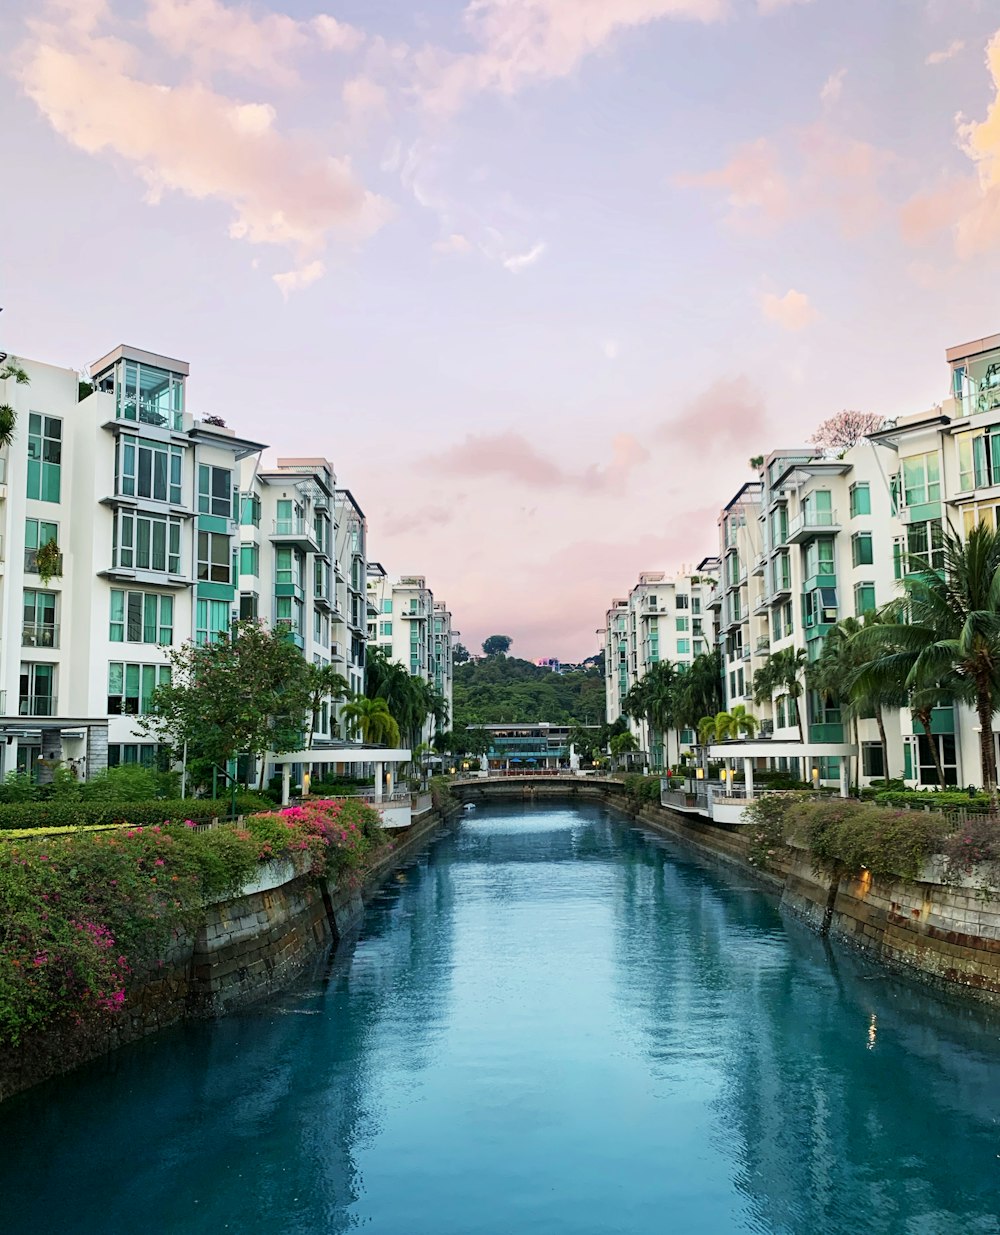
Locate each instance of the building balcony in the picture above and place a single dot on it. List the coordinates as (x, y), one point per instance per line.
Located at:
(759, 566)
(782, 590)
(296, 532)
(40, 635)
(414, 614)
(37, 705)
(31, 563)
(761, 601)
(763, 644)
(812, 523)
(337, 652)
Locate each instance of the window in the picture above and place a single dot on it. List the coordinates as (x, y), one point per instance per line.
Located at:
(683, 647)
(288, 613)
(385, 628)
(781, 572)
(872, 760)
(249, 560)
(921, 479)
(861, 500)
(681, 602)
(145, 754)
(682, 623)
(141, 617)
(211, 621)
(289, 518)
(864, 599)
(386, 606)
(288, 566)
(779, 526)
(250, 510)
(37, 532)
(149, 395)
(819, 557)
(979, 460)
(820, 607)
(150, 470)
(214, 558)
(696, 604)
(817, 509)
(130, 687)
(147, 542)
(44, 457)
(249, 606)
(36, 695)
(215, 491)
(925, 546)
(861, 549)
(785, 617)
(40, 630)
(927, 770)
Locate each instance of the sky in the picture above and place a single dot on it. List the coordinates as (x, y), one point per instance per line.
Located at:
(539, 276)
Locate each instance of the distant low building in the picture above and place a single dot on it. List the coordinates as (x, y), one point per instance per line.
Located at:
(523, 747)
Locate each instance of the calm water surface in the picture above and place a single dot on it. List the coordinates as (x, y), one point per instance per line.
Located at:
(554, 1024)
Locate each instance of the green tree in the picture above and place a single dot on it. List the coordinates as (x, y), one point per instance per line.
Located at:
(372, 719)
(325, 683)
(246, 693)
(782, 671)
(735, 723)
(699, 691)
(10, 370)
(623, 744)
(497, 645)
(460, 654)
(950, 637)
(654, 699)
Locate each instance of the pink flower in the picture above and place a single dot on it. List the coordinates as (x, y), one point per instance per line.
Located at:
(158, 862)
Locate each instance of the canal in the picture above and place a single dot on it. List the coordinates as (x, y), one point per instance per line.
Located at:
(552, 1024)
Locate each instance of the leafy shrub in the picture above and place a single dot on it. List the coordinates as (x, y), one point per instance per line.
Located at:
(859, 836)
(441, 794)
(937, 799)
(767, 819)
(85, 919)
(642, 789)
(60, 812)
(975, 847)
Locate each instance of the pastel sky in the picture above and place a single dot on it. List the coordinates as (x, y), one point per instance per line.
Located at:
(538, 275)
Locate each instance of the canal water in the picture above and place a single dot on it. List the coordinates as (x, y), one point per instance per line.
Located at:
(552, 1023)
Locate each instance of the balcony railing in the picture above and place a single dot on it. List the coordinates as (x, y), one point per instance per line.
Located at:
(763, 643)
(37, 705)
(40, 635)
(809, 522)
(31, 563)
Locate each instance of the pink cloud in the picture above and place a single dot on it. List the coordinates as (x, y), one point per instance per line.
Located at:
(728, 416)
(191, 140)
(418, 520)
(813, 170)
(511, 456)
(521, 41)
(217, 36)
(793, 311)
(947, 53)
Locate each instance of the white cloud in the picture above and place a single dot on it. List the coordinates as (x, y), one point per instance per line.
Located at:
(611, 349)
(832, 88)
(455, 243)
(792, 311)
(296, 280)
(364, 97)
(773, 6)
(520, 261)
(939, 57)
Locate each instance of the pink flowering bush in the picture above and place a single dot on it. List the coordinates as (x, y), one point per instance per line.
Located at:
(86, 918)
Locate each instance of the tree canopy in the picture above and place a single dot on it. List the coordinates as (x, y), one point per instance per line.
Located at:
(501, 688)
(497, 645)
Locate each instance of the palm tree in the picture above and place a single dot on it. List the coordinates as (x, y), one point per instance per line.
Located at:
(10, 369)
(706, 730)
(654, 699)
(734, 723)
(373, 720)
(699, 690)
(782, 671)
(324, 683)
(950, 640)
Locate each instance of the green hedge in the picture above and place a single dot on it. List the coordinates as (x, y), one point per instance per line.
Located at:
(57, 813)
(943, 800)
(642, 788)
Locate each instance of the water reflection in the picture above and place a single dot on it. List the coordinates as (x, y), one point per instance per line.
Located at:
(550, 1023)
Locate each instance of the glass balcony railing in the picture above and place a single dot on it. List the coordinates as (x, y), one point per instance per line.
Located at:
(31, 563)
(40, 635)
(808, 521)
(37, 705)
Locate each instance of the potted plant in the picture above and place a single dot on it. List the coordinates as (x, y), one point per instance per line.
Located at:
(48, 559)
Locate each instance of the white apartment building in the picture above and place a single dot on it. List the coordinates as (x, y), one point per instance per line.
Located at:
(166, 529)
(663, 618)
(409, 626)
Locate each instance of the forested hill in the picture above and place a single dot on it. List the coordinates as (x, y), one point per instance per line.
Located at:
(501, 688)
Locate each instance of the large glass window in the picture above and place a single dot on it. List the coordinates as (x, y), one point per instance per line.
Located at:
(249, 606)
(861, 549)
(249, 560)
(40, 630)
(44, 457)
(36, 690)
(147, 542)
(819, 557)
(130, 687)
(150, 395)
(779, 526)
(250, 510)
(921, 479)
(215, 560)
(288, 613)
(150, 470)
(211, 621)
(287, 566)
(864, 599)
(781, 572)
(925, 546)
(861, 500)
(215, 491)
(37, 532)
(141, 617)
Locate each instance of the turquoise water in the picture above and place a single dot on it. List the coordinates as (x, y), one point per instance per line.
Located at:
(551, 1024)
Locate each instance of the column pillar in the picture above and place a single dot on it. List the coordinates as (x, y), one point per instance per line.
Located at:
(379, 773)
(845, 777)
(748, 777)
(390, 779)
(286, 783)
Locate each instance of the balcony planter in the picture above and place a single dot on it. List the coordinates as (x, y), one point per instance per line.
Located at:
(48, 560)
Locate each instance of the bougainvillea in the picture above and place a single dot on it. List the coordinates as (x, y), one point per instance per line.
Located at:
(86, 918)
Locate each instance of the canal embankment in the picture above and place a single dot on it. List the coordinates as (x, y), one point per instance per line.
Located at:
(938, 929)
(245, 947)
